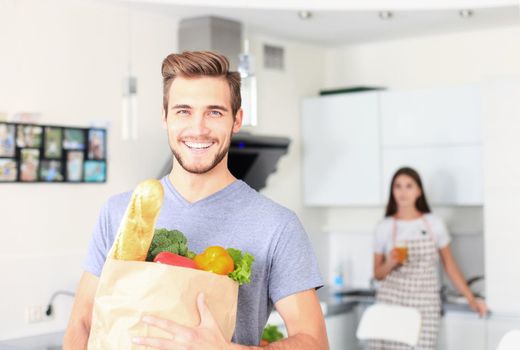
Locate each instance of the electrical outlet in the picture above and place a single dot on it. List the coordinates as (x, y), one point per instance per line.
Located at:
(36, 313)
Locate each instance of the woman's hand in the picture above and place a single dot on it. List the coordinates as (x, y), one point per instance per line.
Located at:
(393, 259)
(478, 306)
(205, 336)
(384, 264)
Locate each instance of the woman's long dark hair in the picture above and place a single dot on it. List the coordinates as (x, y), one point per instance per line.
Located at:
(421, 204)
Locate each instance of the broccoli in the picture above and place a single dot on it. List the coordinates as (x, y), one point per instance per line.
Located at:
(172, 241)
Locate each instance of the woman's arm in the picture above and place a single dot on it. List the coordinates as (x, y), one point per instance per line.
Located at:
(384, 265)
(453, 272)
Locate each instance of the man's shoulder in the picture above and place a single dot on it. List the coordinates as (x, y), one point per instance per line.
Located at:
(268, 207)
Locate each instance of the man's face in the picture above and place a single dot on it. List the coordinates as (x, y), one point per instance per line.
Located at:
(200, 122)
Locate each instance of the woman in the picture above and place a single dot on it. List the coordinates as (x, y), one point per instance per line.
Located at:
(413, 280)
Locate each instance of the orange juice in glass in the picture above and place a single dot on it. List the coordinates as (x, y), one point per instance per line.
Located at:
(402, 251)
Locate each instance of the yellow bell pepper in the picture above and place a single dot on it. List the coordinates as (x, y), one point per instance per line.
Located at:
(215, 259)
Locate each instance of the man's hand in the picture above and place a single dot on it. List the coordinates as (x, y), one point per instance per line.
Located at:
(206, 335)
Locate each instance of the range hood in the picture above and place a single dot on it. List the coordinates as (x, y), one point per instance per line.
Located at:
(252, 158)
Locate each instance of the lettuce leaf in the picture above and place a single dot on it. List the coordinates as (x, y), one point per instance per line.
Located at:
(271, 333)
(243, 264)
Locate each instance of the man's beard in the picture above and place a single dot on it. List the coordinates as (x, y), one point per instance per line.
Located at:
(200, 170)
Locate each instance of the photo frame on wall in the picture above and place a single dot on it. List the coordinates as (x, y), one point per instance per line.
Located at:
(75, 166)
(52, 154)
(51, 171)
(30, 164)
(96, 144)
(7, 144)
(95, 171)
(53, 143)
(74, 139)
(29, 136)
(8, 170)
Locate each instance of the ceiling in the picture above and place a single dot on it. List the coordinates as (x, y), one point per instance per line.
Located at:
(342, 27)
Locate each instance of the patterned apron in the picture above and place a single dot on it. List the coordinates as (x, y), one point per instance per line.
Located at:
(414, 284)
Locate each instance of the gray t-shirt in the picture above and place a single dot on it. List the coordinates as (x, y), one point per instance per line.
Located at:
(236, 217)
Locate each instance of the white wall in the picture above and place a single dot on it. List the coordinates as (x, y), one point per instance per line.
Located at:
(458, 58)
(279, 96)
(441, 60)
(66, 60)
(502, 193)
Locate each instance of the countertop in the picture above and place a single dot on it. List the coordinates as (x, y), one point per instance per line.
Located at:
(331, 303)
(49, 341)
(334, 304)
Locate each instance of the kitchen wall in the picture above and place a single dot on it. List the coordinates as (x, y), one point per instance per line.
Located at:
(279, 96)
(483, 56)
(502, 192)
(67, 59)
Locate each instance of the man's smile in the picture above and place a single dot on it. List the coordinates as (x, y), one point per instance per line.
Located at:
(198, 145)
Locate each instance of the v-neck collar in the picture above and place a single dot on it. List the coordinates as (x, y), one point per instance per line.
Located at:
(232, 187)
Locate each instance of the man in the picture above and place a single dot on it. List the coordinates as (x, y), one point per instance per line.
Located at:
(211, 207)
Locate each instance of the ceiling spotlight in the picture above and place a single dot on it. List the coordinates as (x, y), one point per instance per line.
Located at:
(384, 15)
(304, 15)
(466, 13)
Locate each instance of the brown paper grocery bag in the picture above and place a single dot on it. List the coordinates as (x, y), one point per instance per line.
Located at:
(129, 290)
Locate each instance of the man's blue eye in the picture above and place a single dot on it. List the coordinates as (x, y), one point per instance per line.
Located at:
(215, 113)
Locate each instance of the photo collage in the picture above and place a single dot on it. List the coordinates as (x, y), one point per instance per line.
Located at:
(41, 153)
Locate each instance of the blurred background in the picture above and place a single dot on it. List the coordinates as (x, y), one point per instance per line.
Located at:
(349, 91)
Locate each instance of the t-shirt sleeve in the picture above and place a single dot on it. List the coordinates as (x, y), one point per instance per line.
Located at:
(381, 237)
(99, 245)
(441, 233)
(294, 267)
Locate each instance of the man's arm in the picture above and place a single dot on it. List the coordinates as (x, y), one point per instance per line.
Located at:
(304, 321)
(301, 313)
(78, 329)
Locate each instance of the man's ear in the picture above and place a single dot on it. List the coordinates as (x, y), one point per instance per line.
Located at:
(237, 124)
(164, 121)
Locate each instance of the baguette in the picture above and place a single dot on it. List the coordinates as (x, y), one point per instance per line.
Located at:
(137, 227)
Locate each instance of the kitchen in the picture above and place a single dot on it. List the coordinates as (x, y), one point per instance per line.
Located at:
(57, 55)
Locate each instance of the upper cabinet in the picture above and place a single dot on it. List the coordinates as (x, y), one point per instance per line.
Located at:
(451, 175)
(353, 144)
(431, 117)
(341, 153)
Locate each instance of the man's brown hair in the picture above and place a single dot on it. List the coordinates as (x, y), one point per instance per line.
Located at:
(193, 64)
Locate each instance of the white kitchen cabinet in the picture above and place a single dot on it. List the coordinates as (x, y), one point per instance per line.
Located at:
(435, 116)
(462, 330)
(341, 331)
(451, 175)
(341, 150)
(353, 144)
(498, 326)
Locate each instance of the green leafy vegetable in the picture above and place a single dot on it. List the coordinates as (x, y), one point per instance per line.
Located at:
(271, 333)
(243, 263)
(172, 241)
